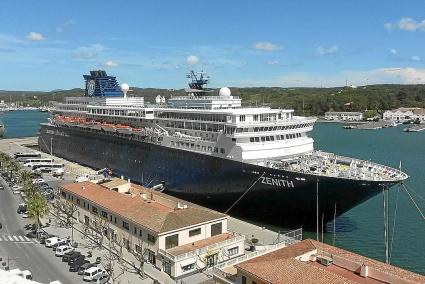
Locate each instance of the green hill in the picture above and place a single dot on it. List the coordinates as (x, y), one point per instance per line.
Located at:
(307, 101)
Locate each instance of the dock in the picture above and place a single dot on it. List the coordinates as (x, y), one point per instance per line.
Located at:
(415, 128)
(372, 125)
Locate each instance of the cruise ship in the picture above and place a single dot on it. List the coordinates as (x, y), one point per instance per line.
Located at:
(257, 163)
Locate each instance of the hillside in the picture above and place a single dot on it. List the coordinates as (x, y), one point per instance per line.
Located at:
(308, 101)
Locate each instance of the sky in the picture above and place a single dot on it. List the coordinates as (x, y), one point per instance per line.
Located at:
(49, 44)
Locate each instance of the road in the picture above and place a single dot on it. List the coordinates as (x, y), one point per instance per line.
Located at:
(25, 253)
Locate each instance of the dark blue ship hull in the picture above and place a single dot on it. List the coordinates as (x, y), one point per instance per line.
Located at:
(278, 197)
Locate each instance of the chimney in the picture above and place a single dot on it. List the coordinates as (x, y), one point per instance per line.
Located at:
(364, 270)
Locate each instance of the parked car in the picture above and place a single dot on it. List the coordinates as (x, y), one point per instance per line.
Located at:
(21, 208)
(101, 278)
(77, 258)
(92, 272)
(23, 273)
(51, 241)
(66, 257)
(59, 243)
(75, 266)
(38, 181)
(61, 250)
(85, 266)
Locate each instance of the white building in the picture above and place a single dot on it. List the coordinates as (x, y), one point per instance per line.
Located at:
(177, 237)
(403, 114)
(344, 115)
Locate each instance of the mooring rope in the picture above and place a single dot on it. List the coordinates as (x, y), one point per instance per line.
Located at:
(413, 201)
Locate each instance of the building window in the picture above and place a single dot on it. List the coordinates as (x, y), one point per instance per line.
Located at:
(63, 194)
(115, 220)
(216, 229)
(243, 279)
(194, 232)
(104, 214)
(94, 209)
(171, 241)
(78, 201)
(255, 117)
(135, 230)
(242, 118)
(151, 238)
(140, 232)
(125, 225)
(233, 251)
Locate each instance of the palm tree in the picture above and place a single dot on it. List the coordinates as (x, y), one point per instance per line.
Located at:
(37, 208)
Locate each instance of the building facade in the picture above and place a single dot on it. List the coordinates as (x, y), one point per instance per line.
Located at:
(404, 114)
(343, 115)
(177, 237)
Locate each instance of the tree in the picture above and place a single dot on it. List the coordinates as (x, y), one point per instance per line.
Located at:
(37, 208)
(94, 232)
(112, 259)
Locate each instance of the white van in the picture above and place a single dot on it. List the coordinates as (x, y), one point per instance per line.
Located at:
(61, 250)
(92, 273)
(51, 241)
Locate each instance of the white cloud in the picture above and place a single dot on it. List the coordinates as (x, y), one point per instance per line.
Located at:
(394, 75)
(415, 58)
(65, 25)
(34, 36)
(267, 46)
(273, 62)
(192, 60)
(406, 24)
(111, 64)
(393, 51)
(326, 51)
(89, 51)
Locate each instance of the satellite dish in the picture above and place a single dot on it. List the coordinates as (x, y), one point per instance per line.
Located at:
(124, 88)
(224, 92)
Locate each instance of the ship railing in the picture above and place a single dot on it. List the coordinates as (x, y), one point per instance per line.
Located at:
(289, 238)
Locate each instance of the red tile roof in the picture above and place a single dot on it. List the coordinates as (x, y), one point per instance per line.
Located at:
(148, 213)
(281, 266)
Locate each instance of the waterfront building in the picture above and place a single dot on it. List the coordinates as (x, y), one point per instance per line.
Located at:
(403, 114)
(177, 237)
(344, 115)
(310, 261)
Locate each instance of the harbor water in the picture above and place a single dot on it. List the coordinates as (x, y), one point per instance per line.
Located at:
(361, 229)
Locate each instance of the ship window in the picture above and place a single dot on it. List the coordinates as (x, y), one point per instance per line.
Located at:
(271, 138)
(267, 138)
(257, 139)
(282, 137)
(255, 117)
(263, 138)
(287, 136)
(242, 118)
(255, 129)
(222, 150)
(251, 139)
(261, 128)
(278, 137)
(215, 150)
(209, 148)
